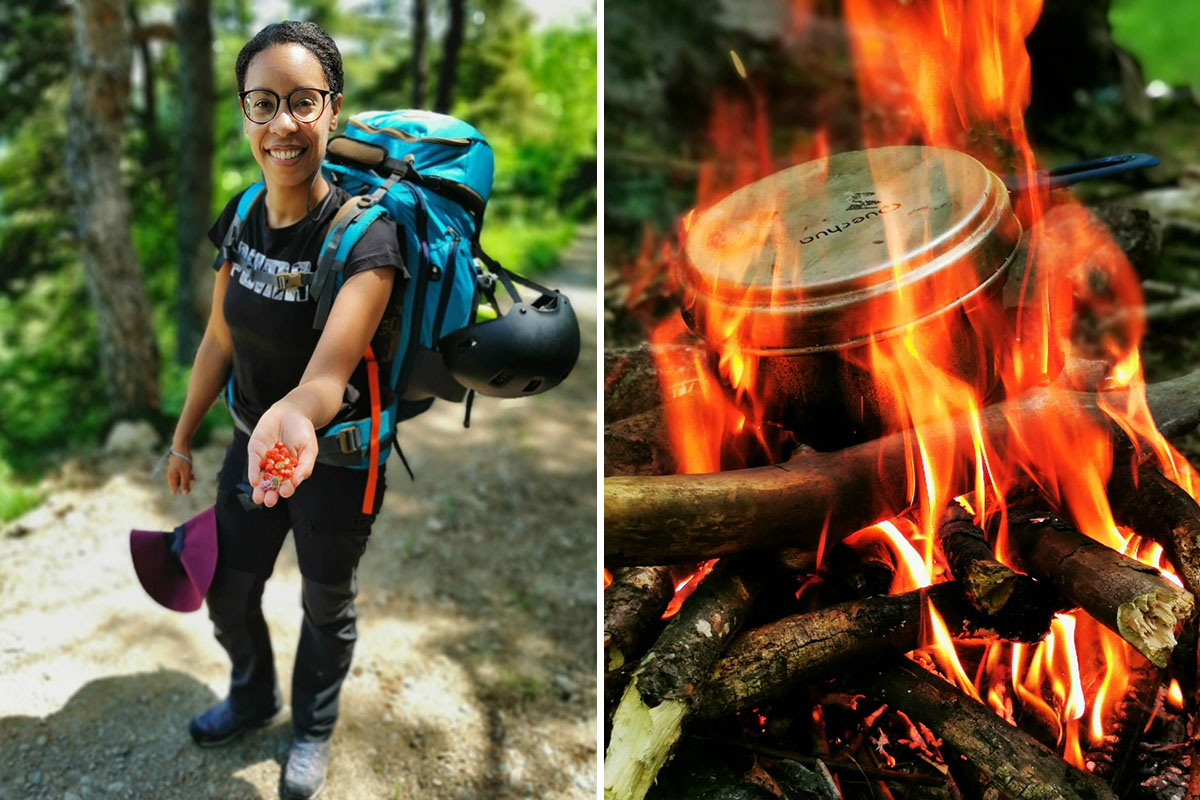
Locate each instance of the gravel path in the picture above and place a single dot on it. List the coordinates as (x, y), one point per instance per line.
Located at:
(474, 675)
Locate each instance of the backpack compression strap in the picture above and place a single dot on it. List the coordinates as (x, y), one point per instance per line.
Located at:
(373, 454)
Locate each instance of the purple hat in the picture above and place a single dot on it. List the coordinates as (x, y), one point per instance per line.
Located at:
(176, 567)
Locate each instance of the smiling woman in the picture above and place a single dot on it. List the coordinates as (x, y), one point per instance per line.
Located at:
(290, 378)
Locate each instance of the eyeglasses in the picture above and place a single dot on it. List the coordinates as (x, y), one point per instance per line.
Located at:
(305, 105)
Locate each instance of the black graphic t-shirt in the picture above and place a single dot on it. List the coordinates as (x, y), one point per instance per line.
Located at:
(272, 329)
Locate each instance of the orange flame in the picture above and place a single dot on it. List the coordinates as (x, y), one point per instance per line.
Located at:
(1175, 695)
(685, 587)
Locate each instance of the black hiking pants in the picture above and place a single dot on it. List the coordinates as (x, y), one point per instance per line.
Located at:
(325, 516)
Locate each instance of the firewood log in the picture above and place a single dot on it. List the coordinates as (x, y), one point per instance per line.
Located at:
(633, 603)
(1016, 604)
(1159, 510)
(765, 664)
(1122, 594)
(1015, 763)
(665, 686)
(666, 519)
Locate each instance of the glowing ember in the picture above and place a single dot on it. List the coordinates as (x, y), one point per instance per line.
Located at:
(686, 586)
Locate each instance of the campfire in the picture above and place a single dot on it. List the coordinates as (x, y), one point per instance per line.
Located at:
(888, 501)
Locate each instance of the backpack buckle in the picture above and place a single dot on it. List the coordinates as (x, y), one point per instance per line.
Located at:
(289, 280)
(350, 440)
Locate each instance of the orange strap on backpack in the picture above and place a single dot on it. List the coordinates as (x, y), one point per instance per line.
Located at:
(373, 468)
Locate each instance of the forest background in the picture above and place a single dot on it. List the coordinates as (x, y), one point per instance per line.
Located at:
(121, 139)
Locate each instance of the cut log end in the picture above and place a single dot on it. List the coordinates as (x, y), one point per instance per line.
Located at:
(990, 585)
(1149, 622)
(643, 738)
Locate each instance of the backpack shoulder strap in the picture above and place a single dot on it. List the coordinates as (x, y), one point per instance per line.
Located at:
(246, 202)
(347, 225)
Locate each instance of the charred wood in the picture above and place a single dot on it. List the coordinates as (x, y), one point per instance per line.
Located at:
(633, 381)
(633, 603)
(1124, 595)
(665, 686)
(1015, 604)
(1156, 508)
(638, 445)
(1111, 759)
(665, 519)
(1015, 763)
(767, 663)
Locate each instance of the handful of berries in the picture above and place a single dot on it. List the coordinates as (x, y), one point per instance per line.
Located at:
(277, 466)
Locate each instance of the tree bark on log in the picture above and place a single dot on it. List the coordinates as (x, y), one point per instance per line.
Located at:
(99, 98)
(667, 519)
(1017, 602)
(633, 602)
(1124, 595)
(1160, 510)
(1015, 763)
(765, 664)
(987, 583)
(638, 445)
(665, 686)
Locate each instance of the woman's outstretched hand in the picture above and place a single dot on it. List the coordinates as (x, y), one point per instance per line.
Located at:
(282, 422)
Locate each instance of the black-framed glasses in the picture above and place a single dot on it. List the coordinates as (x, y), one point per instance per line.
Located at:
(305, 105)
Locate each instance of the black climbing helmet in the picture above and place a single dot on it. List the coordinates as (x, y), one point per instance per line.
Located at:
(525, 351)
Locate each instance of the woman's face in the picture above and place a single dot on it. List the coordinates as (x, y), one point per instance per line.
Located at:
(289, 151)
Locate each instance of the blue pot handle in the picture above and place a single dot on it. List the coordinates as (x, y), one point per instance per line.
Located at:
(1104, 167)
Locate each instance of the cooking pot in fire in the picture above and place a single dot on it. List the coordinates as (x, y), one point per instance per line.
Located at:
(801, 282)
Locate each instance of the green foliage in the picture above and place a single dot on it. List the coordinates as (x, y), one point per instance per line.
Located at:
(53, 395)
(34, 53)
(1161, 34)
(527, 246)
(15, 497)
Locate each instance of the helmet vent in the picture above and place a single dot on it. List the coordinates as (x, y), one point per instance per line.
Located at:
(532, 386)
(502, 377)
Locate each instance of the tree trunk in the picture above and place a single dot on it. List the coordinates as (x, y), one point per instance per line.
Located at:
(450, 48)
(420, 36)
(153, 149)
(193, 252)
(99, 98)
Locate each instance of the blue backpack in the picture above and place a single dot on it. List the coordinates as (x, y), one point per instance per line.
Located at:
(432, 175)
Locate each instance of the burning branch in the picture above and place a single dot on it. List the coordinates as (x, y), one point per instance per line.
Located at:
(672, 518)
(1017, 764)
(992, 588)
(1158, 509)
(765, 664)
(1124, 595)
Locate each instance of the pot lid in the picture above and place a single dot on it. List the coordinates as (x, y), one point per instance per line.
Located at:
(856, 244)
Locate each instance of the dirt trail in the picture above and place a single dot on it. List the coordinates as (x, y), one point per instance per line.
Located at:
(474, 674)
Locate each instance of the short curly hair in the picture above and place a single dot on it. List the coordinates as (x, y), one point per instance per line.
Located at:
(308, 35)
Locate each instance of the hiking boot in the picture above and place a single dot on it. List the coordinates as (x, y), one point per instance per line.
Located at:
(305, 774)
(220, 724)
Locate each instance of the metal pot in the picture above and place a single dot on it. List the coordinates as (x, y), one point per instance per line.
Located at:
(811, 267)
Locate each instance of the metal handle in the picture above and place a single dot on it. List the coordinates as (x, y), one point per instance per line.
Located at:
(1104, 167)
